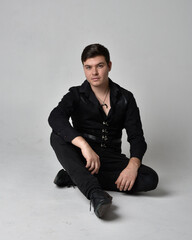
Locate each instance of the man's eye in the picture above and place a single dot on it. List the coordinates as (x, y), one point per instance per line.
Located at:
(87, 67)
(100, 66)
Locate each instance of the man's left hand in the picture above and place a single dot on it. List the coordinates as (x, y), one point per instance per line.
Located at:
(127, 177)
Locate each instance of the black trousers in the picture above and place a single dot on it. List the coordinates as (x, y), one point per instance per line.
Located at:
(112, 163)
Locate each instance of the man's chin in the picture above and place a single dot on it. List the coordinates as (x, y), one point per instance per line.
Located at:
(95, 83)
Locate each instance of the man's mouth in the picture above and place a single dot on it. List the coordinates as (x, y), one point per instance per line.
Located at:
(95, 78)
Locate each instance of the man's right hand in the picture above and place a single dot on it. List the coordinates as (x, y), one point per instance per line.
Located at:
(93, 161)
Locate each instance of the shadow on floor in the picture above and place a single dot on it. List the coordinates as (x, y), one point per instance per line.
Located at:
(159, 192)
(111, 215)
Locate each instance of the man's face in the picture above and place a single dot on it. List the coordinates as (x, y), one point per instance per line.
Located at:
(96, 71)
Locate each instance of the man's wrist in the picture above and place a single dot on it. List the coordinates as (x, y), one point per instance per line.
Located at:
(80, 142)
(134, 162)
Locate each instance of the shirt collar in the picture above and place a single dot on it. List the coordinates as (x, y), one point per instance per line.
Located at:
(86, 88)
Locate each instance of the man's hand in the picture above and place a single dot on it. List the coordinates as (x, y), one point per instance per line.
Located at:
(93, 161)
(127, 177)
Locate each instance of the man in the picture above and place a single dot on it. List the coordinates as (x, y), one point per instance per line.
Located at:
(90, 149)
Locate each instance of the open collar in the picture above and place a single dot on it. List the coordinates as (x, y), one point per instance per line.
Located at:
(86, 89)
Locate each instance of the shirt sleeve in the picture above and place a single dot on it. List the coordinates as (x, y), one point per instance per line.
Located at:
(134, 129)
(60, 115)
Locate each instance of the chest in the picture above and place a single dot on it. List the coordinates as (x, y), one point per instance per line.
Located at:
(90, 111)
(105, 105)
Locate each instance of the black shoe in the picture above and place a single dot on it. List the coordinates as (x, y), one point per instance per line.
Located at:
(101, 202)
(62, 179)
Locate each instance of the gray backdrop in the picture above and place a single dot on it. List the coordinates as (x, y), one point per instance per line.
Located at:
(150, 45)
(40, 46)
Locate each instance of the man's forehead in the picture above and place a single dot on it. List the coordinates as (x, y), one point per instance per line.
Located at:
(95, 60)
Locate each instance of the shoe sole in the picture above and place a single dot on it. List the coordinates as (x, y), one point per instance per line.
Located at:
(102, 208)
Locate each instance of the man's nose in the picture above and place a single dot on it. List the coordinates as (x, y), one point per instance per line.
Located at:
(94, 72)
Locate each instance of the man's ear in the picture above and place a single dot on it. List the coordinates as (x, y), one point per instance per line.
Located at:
(110, 65)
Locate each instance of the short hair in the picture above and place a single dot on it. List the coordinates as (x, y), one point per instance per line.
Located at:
(94, 50)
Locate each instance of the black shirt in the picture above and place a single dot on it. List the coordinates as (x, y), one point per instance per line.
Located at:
(81, 105)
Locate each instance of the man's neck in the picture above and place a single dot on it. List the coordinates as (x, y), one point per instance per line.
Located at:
(100, 90)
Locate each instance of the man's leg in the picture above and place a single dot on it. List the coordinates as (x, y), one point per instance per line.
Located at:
(73, 162)
(147, 180)
(111, 166)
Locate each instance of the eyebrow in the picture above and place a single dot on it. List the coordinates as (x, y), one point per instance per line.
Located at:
(87, 65)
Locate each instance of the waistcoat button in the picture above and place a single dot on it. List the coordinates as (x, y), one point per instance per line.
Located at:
(104, 138)
(104, 131)
(103, 145)
(105, 123)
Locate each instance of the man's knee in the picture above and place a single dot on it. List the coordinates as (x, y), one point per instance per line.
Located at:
(154, 180)
(149, 178)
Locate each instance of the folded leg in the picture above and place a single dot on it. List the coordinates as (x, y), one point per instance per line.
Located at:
(73, 162)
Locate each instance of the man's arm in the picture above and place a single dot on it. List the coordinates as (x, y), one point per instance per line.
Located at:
(133, 127)
(127, 177)
(93, 161)
(138, 146)
(59, 117)
(59, 122)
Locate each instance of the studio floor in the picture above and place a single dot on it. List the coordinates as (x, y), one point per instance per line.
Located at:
(32, 207)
